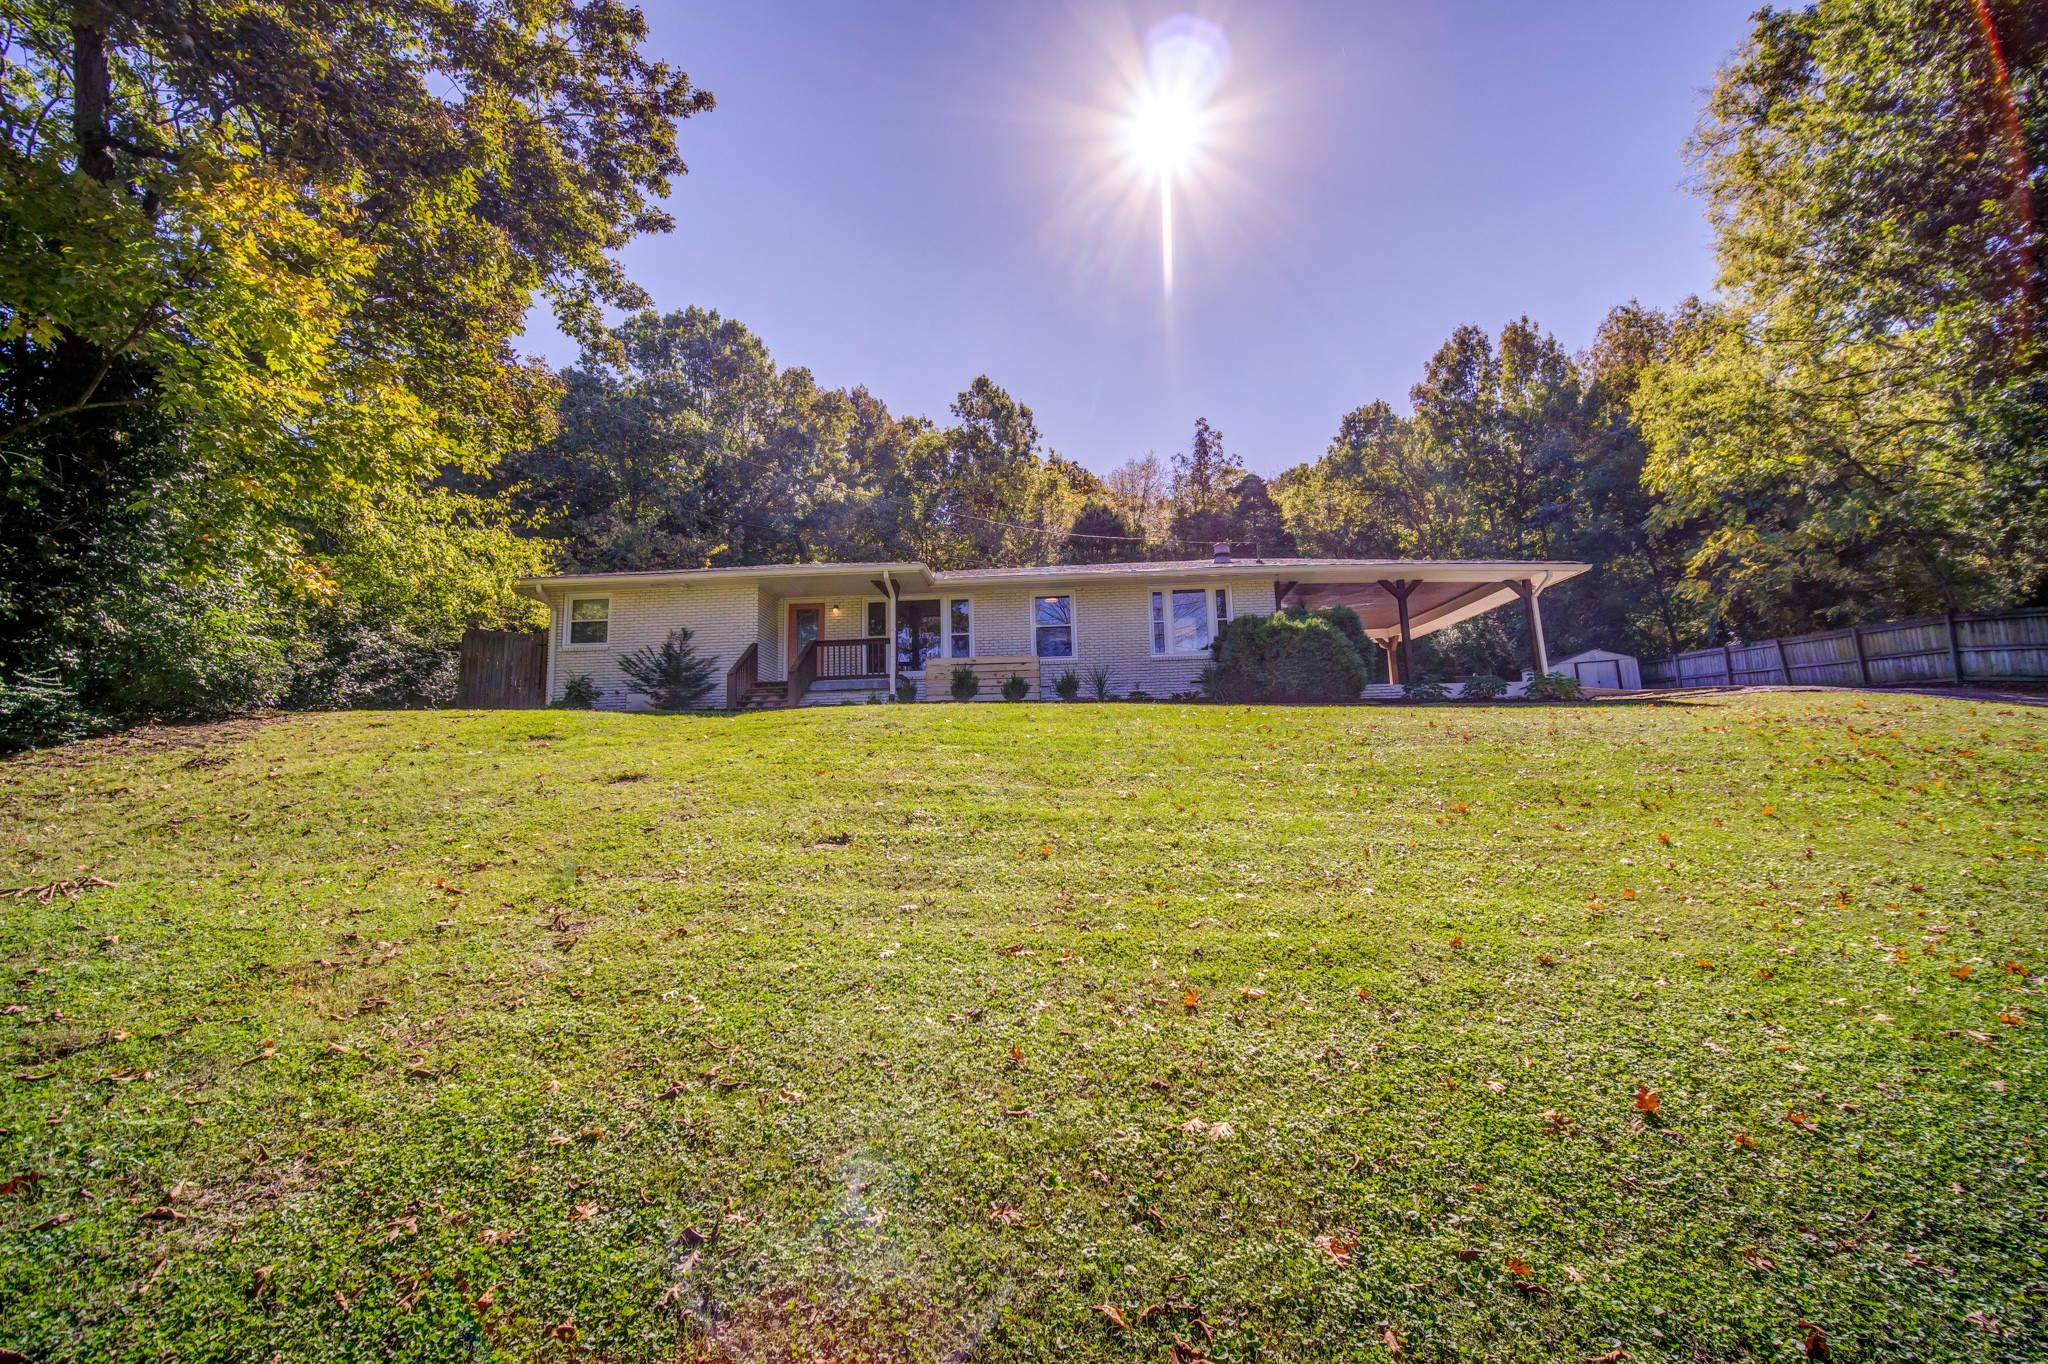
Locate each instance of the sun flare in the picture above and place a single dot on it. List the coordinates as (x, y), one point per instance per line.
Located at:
(1186, 58)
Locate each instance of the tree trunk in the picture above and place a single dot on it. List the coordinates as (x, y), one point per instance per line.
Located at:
(92, 91)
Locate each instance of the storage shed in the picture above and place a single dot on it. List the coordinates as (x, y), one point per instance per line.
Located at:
(1601, 668)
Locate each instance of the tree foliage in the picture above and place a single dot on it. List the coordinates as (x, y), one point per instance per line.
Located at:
(1862, 422)
(258, 271)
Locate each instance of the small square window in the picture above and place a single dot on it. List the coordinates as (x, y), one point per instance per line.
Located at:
(1052, 626)
(590, 620)
(878, 619)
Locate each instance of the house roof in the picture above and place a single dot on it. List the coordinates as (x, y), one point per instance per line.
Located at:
(1445, 591)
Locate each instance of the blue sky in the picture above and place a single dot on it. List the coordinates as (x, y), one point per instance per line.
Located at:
(907, 194)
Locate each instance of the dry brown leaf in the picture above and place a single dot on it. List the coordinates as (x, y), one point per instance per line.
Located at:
(1646, 1099)
(1108, 1311)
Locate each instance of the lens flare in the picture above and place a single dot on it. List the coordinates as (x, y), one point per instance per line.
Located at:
(1186, 59)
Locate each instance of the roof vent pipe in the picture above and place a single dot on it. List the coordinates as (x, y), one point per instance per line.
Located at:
(1223, 551)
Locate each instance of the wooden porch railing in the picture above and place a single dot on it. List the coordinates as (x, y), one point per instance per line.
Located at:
(829, 659)
(741, 676)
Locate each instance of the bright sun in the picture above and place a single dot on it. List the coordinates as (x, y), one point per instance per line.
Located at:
(1185, 60)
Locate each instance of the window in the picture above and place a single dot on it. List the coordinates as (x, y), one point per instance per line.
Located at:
(590, 620)
(959, 624)
(1190, 622)
(878, 619)
(1052, 626)
(1181, 620)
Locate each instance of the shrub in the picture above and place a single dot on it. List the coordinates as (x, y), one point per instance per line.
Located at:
(1426, 689)
(1298, 656)
(1067, 686)
(1554, 687)
(673, 676)
(1098, 682)
(1016, 688)
(1139, 694)
(579, 693)
(37, 708)
(1484, 687)
(906, 688)
(966, 684)
(1210, 682)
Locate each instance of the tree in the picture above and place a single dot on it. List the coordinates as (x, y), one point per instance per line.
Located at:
(1864, 418)
(1373, 495)
(682, 443)
(258, 274)
(1142, 494)
(1204, 479)
(1256, 521)
(672, 674)
(1102, 535)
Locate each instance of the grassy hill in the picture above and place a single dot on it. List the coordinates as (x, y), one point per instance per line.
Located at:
(1000, 1032)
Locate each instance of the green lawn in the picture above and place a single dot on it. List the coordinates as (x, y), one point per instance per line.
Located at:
(1022, 1032)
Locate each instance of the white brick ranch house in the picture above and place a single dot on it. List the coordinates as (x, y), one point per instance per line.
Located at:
(792, 634)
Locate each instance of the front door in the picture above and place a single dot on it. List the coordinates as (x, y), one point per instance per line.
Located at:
(806, 622)
(917, 635)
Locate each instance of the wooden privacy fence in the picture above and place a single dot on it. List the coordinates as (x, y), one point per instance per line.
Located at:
(2005, 646)
(502, 670)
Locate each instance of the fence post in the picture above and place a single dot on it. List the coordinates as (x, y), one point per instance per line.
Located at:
(1784, 667)
(1728, 664)
(1955, 651)
(1862, 659)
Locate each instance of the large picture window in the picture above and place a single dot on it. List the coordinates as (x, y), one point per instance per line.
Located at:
(1052, 626)
(590, 620)
(1180, 621)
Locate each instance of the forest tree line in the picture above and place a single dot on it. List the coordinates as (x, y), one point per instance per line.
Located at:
(265, 439)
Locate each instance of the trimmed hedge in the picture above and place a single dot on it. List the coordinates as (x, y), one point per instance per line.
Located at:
(1296, 656)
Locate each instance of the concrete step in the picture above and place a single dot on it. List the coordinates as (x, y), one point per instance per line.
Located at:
(843, 696)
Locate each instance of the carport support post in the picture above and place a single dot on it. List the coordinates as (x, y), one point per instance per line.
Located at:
(889, 597)
(1399, 592)
(1387, 648)
(1526, 590)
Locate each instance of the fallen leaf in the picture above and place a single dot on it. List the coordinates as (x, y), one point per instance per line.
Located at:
(1337, 1248)
(1251, 992)
(1961, 973)
(1519, 1267)
(1646, 1099)
(1758, 1261)
(1816, 1342)
(1109, 1312)
(1005, 1214)
(1985, 1322)
(583, 1212)
(1391, 1340)
(1189, 999)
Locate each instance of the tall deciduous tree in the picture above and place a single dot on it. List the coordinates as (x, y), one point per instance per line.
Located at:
(1864, 418)
(259, 267)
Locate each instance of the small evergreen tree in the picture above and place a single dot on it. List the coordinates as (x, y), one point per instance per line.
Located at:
(673, 676)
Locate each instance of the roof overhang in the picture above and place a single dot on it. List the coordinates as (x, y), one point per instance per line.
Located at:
(1441, 592)
(824, 579)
